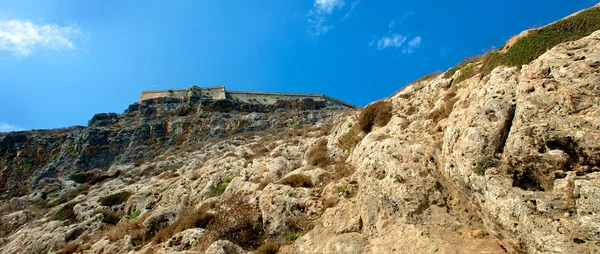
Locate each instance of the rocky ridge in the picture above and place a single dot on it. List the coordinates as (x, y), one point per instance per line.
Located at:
(502, 162)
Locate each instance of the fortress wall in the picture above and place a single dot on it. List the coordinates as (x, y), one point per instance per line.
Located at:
(162, 93)
(219, 93)
(215, 92)
(269, 98)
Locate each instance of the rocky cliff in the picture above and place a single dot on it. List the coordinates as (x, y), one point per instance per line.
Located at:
(469, 161)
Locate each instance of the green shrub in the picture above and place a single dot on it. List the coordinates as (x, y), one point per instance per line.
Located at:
(133, 215)
(221, 186)
(466, 72)
(115, 199)
(293, 236)
(376, 114)
(297, 180)
(346, 190)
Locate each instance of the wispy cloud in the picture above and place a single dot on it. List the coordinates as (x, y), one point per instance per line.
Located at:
(412, 45)
(391, 40)
(22, 38)
(327, 6)
(5, 127)
(352, 6)
(392, 24)
(317, 16)
(395, 40)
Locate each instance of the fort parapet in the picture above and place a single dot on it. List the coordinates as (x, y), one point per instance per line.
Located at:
(220, 93)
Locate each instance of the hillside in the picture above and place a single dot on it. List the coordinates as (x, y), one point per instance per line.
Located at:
(497, 155)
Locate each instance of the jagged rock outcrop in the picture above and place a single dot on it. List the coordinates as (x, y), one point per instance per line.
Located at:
(145, 130)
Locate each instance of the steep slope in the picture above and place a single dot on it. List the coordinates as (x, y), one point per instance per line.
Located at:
(469, 161)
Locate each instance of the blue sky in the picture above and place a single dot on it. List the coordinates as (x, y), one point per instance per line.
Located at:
(63, 61)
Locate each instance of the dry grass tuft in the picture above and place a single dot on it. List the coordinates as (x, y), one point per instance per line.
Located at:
(429, 76)
(267, 248)
(115, 199)
(350, 139)
(70, 248)
(319, 155)
(376, 114)
(188, 218)
(297, 180)
(236, 221)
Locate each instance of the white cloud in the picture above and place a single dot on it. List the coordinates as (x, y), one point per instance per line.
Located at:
(392, 40)
(5, 127)
(327, 6)
(22, 38)
(415, 42)
(396, 40)
(412, 45)
(352, 6)
(316, 17)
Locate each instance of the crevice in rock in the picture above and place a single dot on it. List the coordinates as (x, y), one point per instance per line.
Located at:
(506, 128)
(578, 161)
(527, 180)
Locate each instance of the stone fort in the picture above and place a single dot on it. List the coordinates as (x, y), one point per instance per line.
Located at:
(220, 93)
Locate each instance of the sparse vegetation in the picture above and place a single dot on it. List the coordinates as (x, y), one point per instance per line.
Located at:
(294, 235)
(109, 217)
(346, 190)
(532, 46)
(466, 72)
(188, 218)
(429, 76)
(319, 155)
(133, 229)
(297, 180)
(376, 114)
(238, 222)
(220, 188)
(82, 189)
(134, 214)
(65, 213)
(70, 248)
(350, 139)
(115, 199)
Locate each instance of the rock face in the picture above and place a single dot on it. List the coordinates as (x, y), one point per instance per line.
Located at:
(145, 130)
(502, 163)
